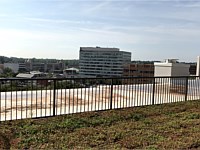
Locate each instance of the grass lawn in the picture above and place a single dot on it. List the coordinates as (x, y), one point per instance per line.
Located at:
(167, 126)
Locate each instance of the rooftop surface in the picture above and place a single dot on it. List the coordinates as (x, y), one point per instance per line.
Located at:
(98, 49)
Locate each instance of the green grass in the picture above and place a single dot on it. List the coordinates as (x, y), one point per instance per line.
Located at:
(167, 126)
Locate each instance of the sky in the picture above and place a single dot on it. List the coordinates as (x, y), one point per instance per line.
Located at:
(149, 29)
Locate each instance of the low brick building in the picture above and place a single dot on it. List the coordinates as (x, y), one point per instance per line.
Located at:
(139, 70)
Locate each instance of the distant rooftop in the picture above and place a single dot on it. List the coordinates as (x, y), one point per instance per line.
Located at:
(171, 60)
(97, 48)
(72, 69)
(25, 75)
(36, 72)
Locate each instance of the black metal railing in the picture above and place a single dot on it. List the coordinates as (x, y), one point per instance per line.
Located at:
(34, 98)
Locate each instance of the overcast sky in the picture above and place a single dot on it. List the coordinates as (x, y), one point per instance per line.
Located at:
(150, 29)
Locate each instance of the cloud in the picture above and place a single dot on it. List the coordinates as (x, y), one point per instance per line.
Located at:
(15, 34)
(58, 28)
(188, 4)
(56, 21)
(97, 7)
(3, 15)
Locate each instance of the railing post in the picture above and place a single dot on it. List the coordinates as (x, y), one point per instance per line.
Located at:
(111, 93)
(54, 97)
(153, 95)
(186, 88)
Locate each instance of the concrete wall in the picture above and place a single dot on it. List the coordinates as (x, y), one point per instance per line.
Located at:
(180, 70)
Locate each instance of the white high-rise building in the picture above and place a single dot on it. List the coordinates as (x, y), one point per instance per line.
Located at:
(198, 66)
(102, 62)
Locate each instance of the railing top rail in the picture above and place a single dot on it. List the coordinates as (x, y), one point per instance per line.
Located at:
(99, 78)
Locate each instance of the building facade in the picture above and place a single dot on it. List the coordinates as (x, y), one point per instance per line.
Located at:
(192, 69)
(33, 66)
(198, 66)
(13, 66)
(102, 62)
(171, 67)
(139, 70)
(71, 73)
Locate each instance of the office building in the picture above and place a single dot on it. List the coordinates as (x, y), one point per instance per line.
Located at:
(13, 66)
(102, 62)
(28, 66)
